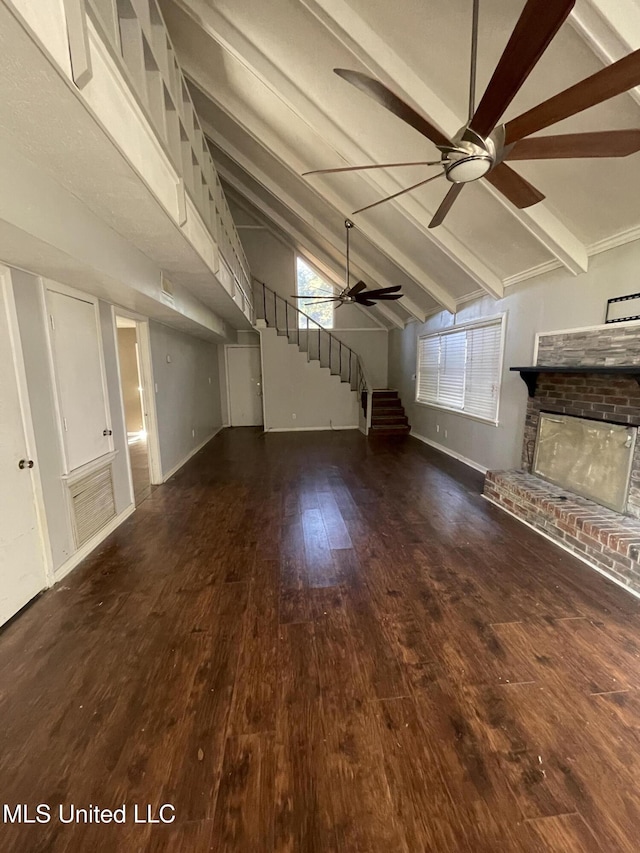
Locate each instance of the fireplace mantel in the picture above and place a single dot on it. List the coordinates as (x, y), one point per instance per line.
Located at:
(530, 375)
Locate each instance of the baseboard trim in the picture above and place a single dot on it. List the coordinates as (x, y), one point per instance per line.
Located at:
(310, 429)
(176, 468)
(582, 559)
(449, 452)
(84, 551)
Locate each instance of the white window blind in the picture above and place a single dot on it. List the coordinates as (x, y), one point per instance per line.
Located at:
(460, 369)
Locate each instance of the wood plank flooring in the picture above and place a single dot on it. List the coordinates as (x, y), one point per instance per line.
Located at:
(311, 642)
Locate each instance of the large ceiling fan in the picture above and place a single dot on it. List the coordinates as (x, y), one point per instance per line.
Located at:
(481, 146)
(356, 293)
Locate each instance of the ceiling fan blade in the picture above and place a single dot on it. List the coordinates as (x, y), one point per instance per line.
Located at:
(446, 205)
(375, 166)
(512, 185)
(357, 287)
(388, 99)
(607, 143)
(400, 192)
(382, 290)
(612, 80)
(539, 22)
(388, 296)
(367, 302)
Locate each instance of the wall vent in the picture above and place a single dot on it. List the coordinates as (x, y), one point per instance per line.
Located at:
(166, 288)
(92, 503)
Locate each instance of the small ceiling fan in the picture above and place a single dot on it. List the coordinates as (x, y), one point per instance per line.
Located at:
(356, 293)
(481, 146)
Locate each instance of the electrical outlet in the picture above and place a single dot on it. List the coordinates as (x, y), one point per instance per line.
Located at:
(445, 433)
(437, 427)
(209, 380)
(168, 359)
(293, 417)
(193, 433)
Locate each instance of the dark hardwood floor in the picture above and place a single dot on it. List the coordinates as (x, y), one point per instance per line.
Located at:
(311, 642)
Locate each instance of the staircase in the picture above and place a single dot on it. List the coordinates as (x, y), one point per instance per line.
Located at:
(387, 414)
(381, 412)
(317, 343)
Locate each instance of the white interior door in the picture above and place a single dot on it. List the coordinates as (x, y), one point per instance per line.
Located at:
(79, 378)
(245, 386)
(22, 566)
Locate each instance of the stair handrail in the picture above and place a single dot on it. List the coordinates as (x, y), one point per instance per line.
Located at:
(362, 380)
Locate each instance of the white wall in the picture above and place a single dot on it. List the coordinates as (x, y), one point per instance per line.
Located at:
(46, 229)
(188, 396)
(293, 385)
(556, 300)
(48, 21)
(372, 347)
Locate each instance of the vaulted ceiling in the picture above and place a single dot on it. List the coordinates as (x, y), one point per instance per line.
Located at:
(262, 80)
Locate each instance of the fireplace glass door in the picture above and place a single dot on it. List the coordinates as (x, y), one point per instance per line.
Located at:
(590, 458)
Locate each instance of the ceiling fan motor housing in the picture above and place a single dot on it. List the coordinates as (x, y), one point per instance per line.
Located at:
(470, 158)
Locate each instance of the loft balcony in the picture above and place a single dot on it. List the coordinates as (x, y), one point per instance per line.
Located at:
(148, 175)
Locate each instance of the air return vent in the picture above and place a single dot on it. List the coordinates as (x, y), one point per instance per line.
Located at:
(166, 288)
(92, 502)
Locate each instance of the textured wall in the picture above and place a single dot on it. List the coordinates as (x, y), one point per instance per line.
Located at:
(604, 347)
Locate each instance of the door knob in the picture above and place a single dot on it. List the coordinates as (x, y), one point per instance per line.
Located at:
(25, 463)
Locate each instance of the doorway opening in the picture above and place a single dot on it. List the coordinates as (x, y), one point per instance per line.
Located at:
(134, 385)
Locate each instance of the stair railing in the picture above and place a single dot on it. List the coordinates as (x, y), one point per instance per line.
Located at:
(319, 343)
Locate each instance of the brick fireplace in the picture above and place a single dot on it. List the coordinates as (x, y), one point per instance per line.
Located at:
(606, 539)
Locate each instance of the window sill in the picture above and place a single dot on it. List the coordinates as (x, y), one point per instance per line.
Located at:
(494, 422)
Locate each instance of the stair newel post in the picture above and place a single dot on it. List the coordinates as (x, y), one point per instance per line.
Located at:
(275, 309)
(330, 336)
(264, 301)
(340, 359)
(350, 357)
(286, 317)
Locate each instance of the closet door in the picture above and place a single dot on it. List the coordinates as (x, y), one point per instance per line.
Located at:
(79, 378)
(22, 566)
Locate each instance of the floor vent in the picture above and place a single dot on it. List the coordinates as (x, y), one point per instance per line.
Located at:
(93, 503)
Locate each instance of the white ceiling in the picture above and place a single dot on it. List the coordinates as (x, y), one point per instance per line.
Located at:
(262, 80)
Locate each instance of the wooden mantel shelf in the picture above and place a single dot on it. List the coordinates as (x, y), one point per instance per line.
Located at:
(530, 375)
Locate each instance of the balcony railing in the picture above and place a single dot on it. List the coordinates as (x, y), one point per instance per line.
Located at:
(136, 32)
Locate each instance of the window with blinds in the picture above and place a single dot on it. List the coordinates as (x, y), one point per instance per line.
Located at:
(460, 369)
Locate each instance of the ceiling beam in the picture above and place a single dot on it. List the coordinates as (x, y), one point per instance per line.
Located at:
(371, 50)
(298, 210)
(386, 311)
(229, 37)
(610, 28)
(289, 160)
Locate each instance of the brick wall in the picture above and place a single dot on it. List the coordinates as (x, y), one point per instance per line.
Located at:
(602, 397)
(606, 539)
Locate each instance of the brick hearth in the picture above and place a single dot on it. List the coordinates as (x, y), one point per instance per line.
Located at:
(608, 540)
(603, 537)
